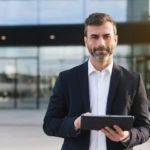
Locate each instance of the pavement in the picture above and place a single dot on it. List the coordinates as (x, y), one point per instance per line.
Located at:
(22, 130)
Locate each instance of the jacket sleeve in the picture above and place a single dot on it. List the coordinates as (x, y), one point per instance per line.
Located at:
(56, 121)
(141, 131)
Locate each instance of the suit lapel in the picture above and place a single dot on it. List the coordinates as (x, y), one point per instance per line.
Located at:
(84, 86)
(115, 77)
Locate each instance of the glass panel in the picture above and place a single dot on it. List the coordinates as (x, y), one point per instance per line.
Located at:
(108, 6)
(141, 64)
(61, 11)
(15, 12)
(35, 12)
(138, 10)
(123, 51)
(7, 82)
(27, 82)
(18, 71)
(140, 50)
(56, 59)
(52, 61)
(18, 76)
(18, 52)
(123, 56)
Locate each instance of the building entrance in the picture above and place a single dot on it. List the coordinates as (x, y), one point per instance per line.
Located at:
(18, 82)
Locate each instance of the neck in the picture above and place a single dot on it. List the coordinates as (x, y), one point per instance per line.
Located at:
(100, 65)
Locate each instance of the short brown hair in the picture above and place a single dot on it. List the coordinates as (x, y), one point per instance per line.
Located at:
(98, 19)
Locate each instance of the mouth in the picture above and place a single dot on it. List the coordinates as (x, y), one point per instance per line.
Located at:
(100, 52)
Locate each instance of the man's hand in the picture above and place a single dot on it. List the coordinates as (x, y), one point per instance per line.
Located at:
(77, 122)
(116, 134)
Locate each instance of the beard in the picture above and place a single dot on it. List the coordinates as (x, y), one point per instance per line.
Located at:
(101, 53)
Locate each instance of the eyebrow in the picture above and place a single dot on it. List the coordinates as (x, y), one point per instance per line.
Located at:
(105, 34)
(94, 34)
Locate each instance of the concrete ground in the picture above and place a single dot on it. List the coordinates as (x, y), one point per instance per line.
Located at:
(22, 130)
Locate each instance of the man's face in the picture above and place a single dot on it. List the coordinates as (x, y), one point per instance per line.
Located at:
(101, 41)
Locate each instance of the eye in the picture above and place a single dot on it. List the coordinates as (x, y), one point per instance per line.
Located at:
(106, 36)
(94, 36)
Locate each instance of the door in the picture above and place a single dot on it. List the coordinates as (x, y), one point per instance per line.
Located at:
(26, 83)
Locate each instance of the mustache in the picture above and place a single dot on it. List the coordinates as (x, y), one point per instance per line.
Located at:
(102, 49)
(106, 49)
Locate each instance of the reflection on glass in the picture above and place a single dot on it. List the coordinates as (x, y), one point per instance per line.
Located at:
(54, 60)
(141, 49)
(108, 6)
(26, 82)
(18, 12)
(7, 79)
(123, 56)
(35, 12)
(67, 12)
(138, 10)
(142, 64)
(123, 50)
(19, 69)
(18, 52)
(18, 77)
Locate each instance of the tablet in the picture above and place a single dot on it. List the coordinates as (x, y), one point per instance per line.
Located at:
(99, 122)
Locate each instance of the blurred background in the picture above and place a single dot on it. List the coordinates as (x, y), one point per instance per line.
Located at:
(40, 38)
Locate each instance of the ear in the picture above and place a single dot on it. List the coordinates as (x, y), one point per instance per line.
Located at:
(116, 39)
(85, 40)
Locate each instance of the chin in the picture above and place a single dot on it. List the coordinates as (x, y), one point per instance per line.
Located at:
(102, 58)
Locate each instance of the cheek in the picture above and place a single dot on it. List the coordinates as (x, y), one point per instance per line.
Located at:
(112, 43)
(89, 44)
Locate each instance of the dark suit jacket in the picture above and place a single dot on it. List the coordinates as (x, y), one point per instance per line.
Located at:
(70, 98)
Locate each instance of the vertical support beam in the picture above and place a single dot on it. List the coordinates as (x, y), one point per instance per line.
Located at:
(38, 80)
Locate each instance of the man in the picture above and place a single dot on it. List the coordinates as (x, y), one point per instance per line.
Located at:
(98, 87)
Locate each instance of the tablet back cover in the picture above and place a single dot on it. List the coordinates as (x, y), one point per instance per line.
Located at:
(99, 122)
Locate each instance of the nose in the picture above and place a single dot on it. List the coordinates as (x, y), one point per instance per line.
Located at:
(100, 42)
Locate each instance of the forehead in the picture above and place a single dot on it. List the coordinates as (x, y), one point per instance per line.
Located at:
(106, 28)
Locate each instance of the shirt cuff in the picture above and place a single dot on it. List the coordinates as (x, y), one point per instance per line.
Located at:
(125, 142)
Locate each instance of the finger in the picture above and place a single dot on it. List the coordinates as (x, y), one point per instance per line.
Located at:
(105, 132)
(118, 130)
(111, 131)
(87, 114)
(113, 134)
(77, 123)
(108, 134)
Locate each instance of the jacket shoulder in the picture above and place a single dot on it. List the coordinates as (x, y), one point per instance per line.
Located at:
(128, 74)
(75, 70)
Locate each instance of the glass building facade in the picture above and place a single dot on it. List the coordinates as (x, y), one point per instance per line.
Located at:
(28, 71)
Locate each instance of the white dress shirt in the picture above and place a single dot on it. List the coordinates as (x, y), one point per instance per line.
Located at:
(99, 82)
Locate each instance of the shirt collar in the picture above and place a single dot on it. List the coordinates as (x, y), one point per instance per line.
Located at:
(92, 69)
